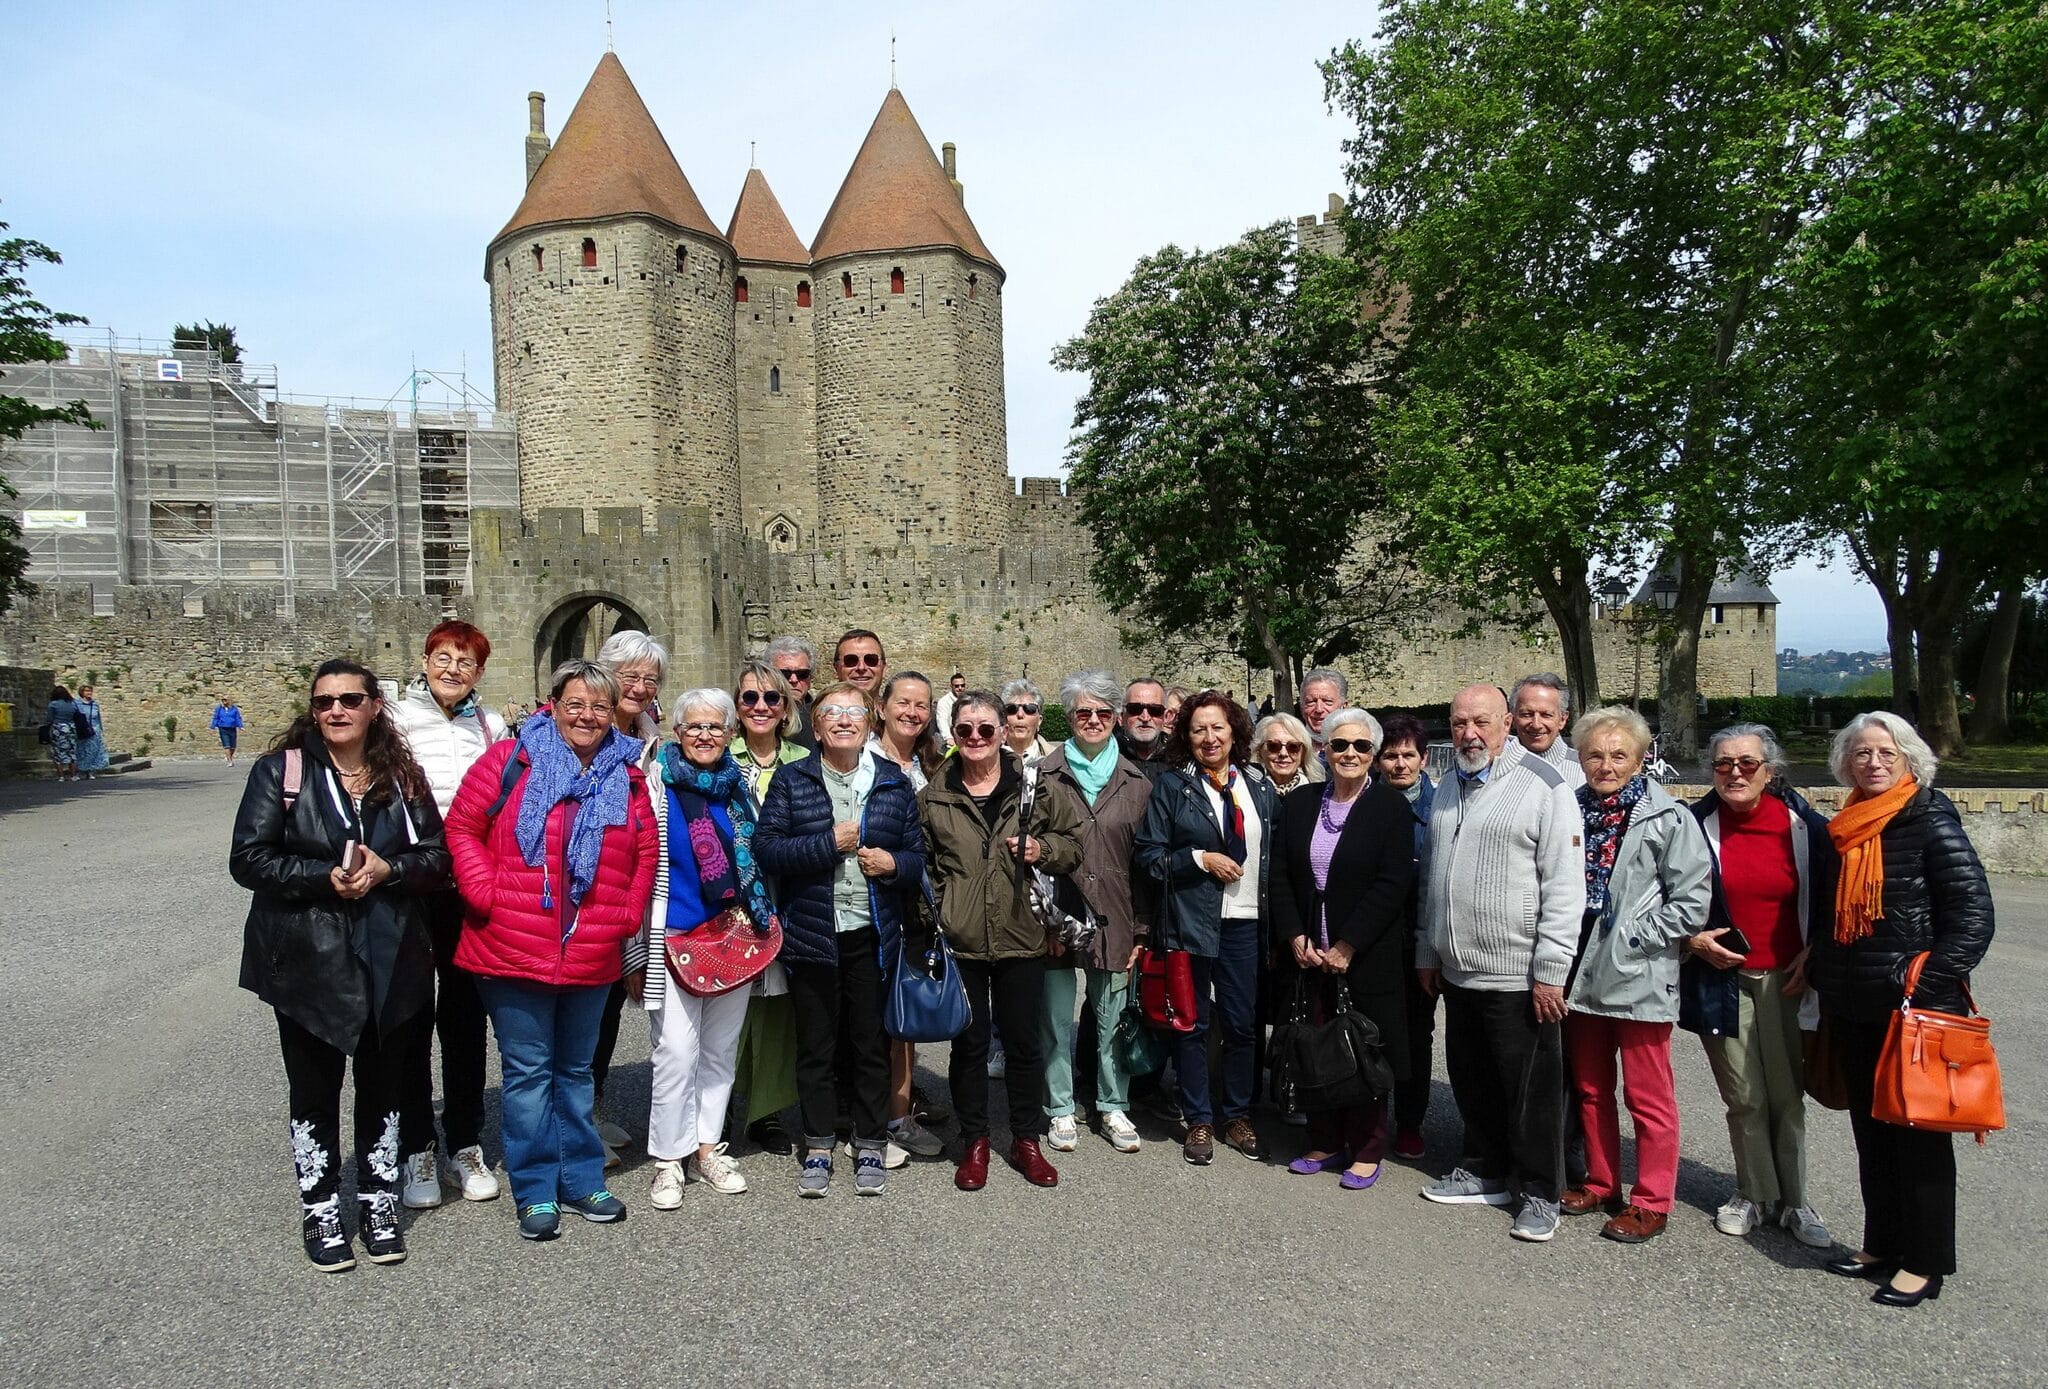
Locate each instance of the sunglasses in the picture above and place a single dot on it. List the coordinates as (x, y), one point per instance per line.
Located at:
(1012, 710)
(1093, 714)
(1749, 765)
(1284, 749)
(352, 700)
(797, 675)
(864, 660)
(1133, 711)
(771, 698)
(1363, 746)
(974, 732)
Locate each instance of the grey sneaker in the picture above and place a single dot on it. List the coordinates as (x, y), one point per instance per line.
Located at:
(1460, 1187)
(914, 1137)
(869, 1177)
(894, 1154)
(1537, 1221)
(1804, 1223)
(816, 1178)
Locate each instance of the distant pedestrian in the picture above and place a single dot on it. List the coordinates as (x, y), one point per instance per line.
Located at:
(92, 747)
(61, 723)
(227, 721)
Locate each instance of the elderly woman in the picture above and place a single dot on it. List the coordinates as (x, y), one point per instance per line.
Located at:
(1743, 986)
(1404, 748)
(1282, 749)
(1343, 864)
(1207, 839)
(1647, 892)
(1107, 793)
(1177, 697)
(339, 840)
(839, 831)
(447, 728)
(92, 746)
(1909, 883)
(555, 849)
(708, 821)
(984, 838)
(60, 724)
(1023, 716)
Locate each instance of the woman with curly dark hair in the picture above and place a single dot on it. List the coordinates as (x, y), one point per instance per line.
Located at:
(340, 841)
(1206, 837)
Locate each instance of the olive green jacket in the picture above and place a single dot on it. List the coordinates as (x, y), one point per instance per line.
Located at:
(983, 907)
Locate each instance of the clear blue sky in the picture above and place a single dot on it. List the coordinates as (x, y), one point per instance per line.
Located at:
(326, 177)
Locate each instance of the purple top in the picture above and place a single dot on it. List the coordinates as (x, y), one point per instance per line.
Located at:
(1322, 847)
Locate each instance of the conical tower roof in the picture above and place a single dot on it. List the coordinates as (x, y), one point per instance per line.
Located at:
(760, 229)
(609, 161)
(896, 196)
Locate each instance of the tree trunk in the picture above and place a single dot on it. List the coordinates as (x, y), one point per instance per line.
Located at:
(1942, 603)
(1568, 599)
(1878, 560)
(1279, 659)
(1678, 678)
(1988, 724)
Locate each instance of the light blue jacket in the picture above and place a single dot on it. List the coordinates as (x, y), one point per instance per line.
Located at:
(1659, 894)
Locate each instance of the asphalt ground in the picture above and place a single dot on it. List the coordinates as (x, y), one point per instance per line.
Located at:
(149, 1233)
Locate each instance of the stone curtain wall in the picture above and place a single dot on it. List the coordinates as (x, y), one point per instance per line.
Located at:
(778, 430)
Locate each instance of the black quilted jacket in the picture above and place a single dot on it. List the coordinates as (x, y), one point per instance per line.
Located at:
(1936, 899)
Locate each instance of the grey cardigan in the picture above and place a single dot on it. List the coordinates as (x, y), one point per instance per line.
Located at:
(1658, 895)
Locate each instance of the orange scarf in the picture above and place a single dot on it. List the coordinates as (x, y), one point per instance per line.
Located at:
(1859, 894)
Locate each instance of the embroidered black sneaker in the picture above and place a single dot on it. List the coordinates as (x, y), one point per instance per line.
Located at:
(326, 1241)
(383, 1241)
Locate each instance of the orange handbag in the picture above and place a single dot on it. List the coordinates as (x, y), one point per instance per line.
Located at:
(1937, 1070)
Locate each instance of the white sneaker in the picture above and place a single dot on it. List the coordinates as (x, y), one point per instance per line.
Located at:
(422, 1181)
(1806, 1227)
(1120, 1131)
(473, 1174)
(612, 1134)
(720, 1172)
(894, 1154)
(1737, 1217)
(1062, 1136)
(666, 1193)
(909, 1134)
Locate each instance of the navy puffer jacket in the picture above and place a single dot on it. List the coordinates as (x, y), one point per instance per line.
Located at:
(794, 843)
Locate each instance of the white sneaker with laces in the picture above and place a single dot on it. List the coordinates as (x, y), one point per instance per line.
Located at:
(720, 1172)
(1063, 1135)
(666, 1192)
(1121, 1132)
(473, 1174)
(422, 1181)
(1737, 1216)
(1805, 1226)
(916, 1138)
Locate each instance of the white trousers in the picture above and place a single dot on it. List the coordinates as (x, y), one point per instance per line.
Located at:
(696, 1048)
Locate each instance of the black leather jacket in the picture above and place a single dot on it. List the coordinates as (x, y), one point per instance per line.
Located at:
(1936, 899)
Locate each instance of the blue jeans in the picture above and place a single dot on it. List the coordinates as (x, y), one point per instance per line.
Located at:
(546, 1037)
(1232, 976)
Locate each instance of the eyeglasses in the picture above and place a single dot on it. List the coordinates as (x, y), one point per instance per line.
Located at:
(1283, 749)
(639, 682)
(448, 660)
(771, 698)
(974, 732)
(862, 660)
(1012, 710)
(1361, 746)
(352, 700)
(1090, 715)
(576, 709)
(1749, 765)
(795, 675)
(701, 730)
(842, 711)
(1884, 755)
(1135, 710)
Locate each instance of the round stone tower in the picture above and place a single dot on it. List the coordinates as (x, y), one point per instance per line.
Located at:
(773, 302)
(612, 318)
(908, 317)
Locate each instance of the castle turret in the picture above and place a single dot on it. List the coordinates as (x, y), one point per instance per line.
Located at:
(909, 324)
(612, 320)
(778, 377)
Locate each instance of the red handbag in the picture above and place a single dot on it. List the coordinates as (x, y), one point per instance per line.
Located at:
(723, 953)
(1166, 989)
(1937, 1070)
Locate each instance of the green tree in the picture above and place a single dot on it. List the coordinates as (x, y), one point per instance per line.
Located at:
(218, 338)
(1223, 454)
(26, 335)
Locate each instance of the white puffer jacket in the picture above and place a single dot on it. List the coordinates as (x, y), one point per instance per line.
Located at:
(446, 748)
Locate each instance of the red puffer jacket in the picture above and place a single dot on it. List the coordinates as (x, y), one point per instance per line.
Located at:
(509, 935)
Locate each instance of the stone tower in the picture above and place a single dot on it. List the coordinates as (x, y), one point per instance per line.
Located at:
(612, 319)
(773, 300)
(909, 323)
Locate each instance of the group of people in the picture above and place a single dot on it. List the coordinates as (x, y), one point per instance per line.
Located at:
(754, 871)
(75, 731)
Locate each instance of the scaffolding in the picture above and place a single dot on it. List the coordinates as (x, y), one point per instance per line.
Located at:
(205, 474)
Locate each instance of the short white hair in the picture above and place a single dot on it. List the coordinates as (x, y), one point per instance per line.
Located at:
(708, 697)
(1920, 758)
(1351, 714)
(1327, 675)
(632, 649)
(1774, 755)
(1090, 684)
(791, 646)
(1015, 689)
(1596, 721)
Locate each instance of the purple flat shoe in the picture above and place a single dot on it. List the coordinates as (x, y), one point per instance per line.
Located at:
(1308, 1167)
(1351, 1181)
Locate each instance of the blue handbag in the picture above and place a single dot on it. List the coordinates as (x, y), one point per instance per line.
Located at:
(927, 1002)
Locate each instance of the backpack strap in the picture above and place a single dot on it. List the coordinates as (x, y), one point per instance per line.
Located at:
(294, 776)
(515, 767)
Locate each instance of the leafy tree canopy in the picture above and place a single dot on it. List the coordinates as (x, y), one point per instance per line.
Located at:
(26, 335)
(199, 337)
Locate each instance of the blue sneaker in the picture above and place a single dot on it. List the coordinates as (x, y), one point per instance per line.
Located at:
(600, 1207)
(540, 1221)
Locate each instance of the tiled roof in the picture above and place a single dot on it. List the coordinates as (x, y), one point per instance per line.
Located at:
(1735, 583)
(609, 161)
(896, 196)
(760, 229)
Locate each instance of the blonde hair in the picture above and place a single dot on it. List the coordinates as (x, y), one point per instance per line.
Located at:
(1597, 721)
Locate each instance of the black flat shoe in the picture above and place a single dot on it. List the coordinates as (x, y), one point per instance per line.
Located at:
(1878, 1271)
(1891, 1297)
(770, 1137)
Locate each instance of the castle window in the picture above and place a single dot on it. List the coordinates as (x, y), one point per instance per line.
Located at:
(803, 294)
(589, 254)
(539, 261)
(1720, 614)
(682, 257)
(846, 285)
(775, 380)
(896, 280)
(739, 290)
(972, 282)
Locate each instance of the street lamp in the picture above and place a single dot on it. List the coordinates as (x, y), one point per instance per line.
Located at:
(1664, 591)
(1614, 593)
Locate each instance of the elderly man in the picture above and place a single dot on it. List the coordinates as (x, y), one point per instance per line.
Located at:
(1540, 709)
(1504, 889)
(797, 661)
(858, 660)
(1323, 692)
(1141, 732)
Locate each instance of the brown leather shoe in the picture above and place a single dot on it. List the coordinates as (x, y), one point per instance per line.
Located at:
(1634, 1225)
(1579, 1201)
(1200, 1147)
(1240, 1134)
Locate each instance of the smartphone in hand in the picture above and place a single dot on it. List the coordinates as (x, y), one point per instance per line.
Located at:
(1733, 941)
(351, 856)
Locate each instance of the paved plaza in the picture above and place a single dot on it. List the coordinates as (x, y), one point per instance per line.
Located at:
(150, 1233)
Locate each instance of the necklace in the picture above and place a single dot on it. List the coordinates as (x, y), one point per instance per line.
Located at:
(1337, 826)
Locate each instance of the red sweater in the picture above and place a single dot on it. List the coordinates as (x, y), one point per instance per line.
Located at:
(1760, 881)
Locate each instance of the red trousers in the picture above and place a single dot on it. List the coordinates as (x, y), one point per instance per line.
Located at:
(1644, 1049)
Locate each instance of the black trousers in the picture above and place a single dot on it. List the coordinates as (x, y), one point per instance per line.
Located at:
(608, 1036)
(830, 1002)
(1908, 1175)
(1411, 1092)
(1507, 1074)
(313, 1071)
(460, 1021)
(1011, 993)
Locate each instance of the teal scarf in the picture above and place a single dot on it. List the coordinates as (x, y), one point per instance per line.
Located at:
(1091, 776)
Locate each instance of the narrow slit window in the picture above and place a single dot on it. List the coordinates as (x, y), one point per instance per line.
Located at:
(896, 280)
(539, 261)
(803, 294)
(973, 283)
(739, 290)
(682, 257)
(846, 285)
(775, 380)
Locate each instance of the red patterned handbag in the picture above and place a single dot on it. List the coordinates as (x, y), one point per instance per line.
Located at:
(723, 954)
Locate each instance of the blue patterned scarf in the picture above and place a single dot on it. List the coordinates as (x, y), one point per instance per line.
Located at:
(555, 774)
(1606, 821)
(724, 880)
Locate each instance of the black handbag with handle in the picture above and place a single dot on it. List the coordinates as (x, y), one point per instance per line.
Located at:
(1336, 1063)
